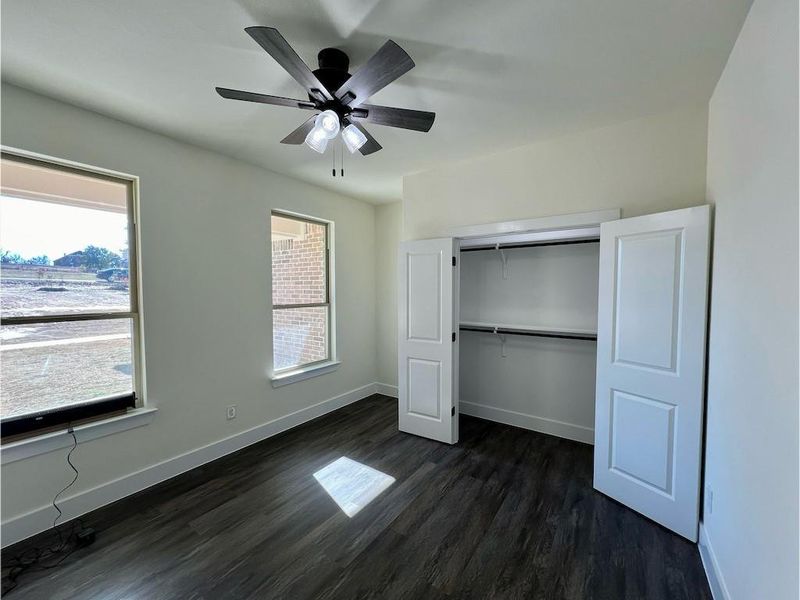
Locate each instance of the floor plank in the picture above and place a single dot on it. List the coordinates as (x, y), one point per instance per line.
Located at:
(506, 513)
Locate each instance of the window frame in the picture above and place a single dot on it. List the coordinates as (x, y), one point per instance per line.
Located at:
(43, 422)
(318, 367)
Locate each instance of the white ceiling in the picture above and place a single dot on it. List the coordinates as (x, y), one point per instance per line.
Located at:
(497, 73)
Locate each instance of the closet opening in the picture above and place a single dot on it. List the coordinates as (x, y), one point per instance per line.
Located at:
(527, 314)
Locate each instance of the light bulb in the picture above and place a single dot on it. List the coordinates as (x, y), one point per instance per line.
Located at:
(353, 138)
(328, 121)
(317, 139)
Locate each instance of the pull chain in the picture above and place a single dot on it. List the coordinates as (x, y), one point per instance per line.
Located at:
(333, 170)
(341, 152)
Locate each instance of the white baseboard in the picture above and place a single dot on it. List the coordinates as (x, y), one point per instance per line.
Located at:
(570, 431)
(715, 580)
(40, 519)
(386, 389)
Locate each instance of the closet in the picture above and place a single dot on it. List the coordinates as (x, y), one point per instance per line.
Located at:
(585, 326)
(528, 326)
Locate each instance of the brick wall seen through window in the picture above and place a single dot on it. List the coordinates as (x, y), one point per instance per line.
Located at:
(299, 277)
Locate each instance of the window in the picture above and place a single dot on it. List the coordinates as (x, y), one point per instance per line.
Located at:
(301, 308)
(69, 328)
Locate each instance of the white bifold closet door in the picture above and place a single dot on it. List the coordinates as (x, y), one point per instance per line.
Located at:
(427, 352)
(651, 364)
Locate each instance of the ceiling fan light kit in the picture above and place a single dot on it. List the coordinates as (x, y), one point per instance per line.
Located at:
(353, 138)
(326, 127)
(338, 96)
(328, 122)
(317, 140)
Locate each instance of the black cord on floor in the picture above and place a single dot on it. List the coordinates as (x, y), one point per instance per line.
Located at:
(48, 557)
(65, 488)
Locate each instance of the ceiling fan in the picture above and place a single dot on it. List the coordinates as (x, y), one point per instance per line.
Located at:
(338, 96)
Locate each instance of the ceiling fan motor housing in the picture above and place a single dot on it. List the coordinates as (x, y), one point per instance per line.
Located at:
(332, 71)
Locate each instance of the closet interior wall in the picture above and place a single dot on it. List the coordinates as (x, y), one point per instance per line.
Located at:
(542, 383)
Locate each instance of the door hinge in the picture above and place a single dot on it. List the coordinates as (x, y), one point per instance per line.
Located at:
(454, 336)
(454, 261)
(453, 411)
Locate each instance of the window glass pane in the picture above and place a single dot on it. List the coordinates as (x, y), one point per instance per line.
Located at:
(298, 261)
(45, 366)
(299, 336)
(64, 242)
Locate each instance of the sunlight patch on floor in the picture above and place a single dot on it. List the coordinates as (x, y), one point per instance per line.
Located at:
(351, 484)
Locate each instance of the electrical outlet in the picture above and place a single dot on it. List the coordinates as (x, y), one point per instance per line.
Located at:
(709, 500)
(231, 412)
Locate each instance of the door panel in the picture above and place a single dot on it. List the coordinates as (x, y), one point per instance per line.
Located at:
(427, 353)
(645, 316)
(651, 364)
(642, 439)
(424, 296)
(424, 386)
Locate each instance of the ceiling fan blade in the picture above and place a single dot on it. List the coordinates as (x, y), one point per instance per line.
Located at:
(371, 145)
(264, 98)
(298, 136)
(405, 118)
(279, 49)
(386, 65)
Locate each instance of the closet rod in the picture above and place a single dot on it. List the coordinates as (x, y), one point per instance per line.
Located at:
(564, 336)
(531, 244)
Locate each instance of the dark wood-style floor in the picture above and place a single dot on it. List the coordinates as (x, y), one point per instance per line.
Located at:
(506, 513)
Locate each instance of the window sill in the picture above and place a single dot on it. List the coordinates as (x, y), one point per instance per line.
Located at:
(287, 377)
(55, 440)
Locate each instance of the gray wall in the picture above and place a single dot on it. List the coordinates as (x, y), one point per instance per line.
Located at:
(751, 460)
(646, 165)
(388, 229)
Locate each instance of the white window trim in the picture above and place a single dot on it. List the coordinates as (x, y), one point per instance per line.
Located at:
(304, 372)
(143, 414)
(288, 376)
(56, 440)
